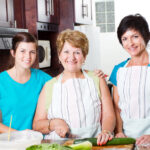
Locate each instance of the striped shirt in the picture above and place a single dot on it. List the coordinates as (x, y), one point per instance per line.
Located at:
(77, 102)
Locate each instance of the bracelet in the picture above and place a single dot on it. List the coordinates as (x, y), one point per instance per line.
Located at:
(49, 122)
(107, 132)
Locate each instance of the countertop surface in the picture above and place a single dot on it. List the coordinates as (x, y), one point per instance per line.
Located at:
(116, 147)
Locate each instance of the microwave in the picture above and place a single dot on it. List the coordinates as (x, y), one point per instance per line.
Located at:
(44, 50)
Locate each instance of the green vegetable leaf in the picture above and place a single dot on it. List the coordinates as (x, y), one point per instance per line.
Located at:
(46, 146)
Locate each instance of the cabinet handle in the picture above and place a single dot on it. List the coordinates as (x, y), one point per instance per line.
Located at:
(15, 24)
(51, 7)
(84, 9)
(47, 7)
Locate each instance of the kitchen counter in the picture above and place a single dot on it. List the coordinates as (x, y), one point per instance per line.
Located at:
(117, 147)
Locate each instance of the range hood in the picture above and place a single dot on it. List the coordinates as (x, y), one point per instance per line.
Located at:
(6, 35)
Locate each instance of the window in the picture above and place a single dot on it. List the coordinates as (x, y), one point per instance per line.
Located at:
(105, 18)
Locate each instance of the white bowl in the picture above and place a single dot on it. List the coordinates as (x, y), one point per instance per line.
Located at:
(20, 140)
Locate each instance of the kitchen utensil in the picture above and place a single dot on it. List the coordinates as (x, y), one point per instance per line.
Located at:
(9, 130)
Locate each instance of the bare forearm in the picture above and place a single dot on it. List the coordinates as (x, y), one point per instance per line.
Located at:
(4, 128)
(117, 110)
(109, 123)
(42, 126)
(118, 128)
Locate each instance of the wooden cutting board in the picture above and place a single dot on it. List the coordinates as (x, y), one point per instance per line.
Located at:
(115, 147)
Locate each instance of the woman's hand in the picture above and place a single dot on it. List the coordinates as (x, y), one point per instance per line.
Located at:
(100, 73)
(103, 137)
(120, 134)
(144, 139)
(60, 127)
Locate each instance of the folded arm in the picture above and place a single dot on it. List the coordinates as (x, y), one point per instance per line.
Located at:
(42, 124)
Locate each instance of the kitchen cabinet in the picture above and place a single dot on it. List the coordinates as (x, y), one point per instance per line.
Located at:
(82, 11)
(7, 13)
(34, 15)
(48, 11)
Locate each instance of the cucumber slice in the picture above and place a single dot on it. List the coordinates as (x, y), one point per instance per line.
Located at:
(114, 141)
(86, 145)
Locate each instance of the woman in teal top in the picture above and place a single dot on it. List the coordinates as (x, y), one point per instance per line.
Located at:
(20, 86)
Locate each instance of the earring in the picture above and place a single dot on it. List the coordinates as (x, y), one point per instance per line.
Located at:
(59, 62)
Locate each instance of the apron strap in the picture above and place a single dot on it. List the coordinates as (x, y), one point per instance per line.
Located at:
(85, 74)
(61, 75)
(149, 57)
(60, 78)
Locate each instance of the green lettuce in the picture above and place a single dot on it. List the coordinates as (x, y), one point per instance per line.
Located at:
(46, 146)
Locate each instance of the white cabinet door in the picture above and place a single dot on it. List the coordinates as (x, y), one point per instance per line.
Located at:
(7, 13)
(83, 12)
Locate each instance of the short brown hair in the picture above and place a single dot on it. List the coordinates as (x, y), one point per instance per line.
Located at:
(136, 22)
(75, 38)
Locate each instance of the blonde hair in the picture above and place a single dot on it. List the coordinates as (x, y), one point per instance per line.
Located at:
(75, 38)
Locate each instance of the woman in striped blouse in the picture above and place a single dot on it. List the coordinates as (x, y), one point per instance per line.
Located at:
(131, 81)
(76, 103)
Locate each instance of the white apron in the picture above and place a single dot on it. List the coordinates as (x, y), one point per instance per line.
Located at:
(133, 84)
(77, 102)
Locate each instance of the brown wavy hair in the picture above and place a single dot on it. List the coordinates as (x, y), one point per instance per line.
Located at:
(75, 38)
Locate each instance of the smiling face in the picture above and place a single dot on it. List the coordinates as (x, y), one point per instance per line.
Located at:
(25, 55)
(71, 58)
(133, 42)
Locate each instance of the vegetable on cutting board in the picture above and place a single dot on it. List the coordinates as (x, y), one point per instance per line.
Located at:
(46, 146)
(86, 145)
(114, 141)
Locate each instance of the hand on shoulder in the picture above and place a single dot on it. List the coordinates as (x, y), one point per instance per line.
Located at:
(99, 73)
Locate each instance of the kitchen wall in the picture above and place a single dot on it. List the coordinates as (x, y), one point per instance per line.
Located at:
(111, 52)
(93, 34)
